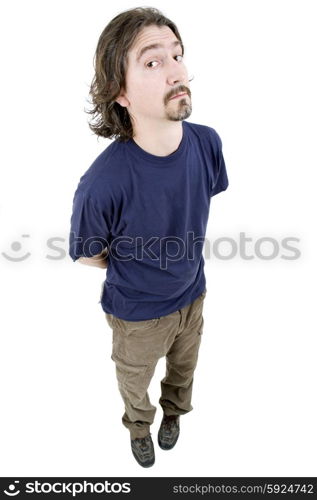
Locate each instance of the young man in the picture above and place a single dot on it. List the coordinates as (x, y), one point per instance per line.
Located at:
(141, 211)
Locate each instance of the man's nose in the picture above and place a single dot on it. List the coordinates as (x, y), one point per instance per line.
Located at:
(176, 73)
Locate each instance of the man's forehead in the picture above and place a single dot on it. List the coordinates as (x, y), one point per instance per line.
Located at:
(150, 36)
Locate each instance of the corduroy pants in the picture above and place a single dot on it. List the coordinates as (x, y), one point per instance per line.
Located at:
(136, 348)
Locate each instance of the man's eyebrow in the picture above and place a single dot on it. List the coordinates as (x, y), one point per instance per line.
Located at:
(156, 46)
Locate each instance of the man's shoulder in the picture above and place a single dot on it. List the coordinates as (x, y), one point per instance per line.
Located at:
(204, 132)
(104, 172)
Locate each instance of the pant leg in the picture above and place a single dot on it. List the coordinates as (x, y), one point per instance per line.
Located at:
(181, 361)
(136, 349)
(133, 382)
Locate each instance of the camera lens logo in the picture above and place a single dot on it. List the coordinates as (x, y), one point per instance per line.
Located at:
(12, 492)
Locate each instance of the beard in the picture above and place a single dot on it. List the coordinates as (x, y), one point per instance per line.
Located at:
(180, 112)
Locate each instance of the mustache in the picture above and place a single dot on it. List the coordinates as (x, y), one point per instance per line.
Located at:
(179, 90)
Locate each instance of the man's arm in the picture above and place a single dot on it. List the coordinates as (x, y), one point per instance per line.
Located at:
(100, 260)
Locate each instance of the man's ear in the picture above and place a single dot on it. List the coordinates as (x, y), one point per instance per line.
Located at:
(122, 100)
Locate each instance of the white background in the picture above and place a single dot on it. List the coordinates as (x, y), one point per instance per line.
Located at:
(254, 397)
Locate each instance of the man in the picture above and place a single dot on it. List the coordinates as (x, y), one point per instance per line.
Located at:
(141, 211)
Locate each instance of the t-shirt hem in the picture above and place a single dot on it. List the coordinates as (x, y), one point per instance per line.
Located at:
(166, 313)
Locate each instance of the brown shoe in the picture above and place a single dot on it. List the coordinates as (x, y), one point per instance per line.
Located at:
(168, 432)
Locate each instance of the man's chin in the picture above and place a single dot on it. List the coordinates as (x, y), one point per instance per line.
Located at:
(179, 115)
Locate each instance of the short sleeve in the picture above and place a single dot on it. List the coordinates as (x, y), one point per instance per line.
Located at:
(220, 181)
(90, 227)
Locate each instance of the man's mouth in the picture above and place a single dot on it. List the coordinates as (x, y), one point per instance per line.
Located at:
(178, 95)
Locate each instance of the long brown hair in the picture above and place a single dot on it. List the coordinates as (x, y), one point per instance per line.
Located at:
(110, 64)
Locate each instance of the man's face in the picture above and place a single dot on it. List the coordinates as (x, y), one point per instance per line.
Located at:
(155, 75)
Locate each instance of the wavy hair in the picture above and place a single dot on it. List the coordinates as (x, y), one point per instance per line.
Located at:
(110, 119)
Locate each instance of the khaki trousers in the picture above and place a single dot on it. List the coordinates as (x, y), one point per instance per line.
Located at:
(136, 348)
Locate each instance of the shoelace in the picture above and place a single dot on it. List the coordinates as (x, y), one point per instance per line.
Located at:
(144, 443)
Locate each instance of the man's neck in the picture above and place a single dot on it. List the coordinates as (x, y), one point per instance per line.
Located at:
(159, 140)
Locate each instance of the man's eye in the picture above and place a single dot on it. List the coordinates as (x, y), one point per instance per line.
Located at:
(150, 63)
(179, 55)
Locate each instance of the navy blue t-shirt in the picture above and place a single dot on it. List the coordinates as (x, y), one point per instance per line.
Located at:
(151, 213)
